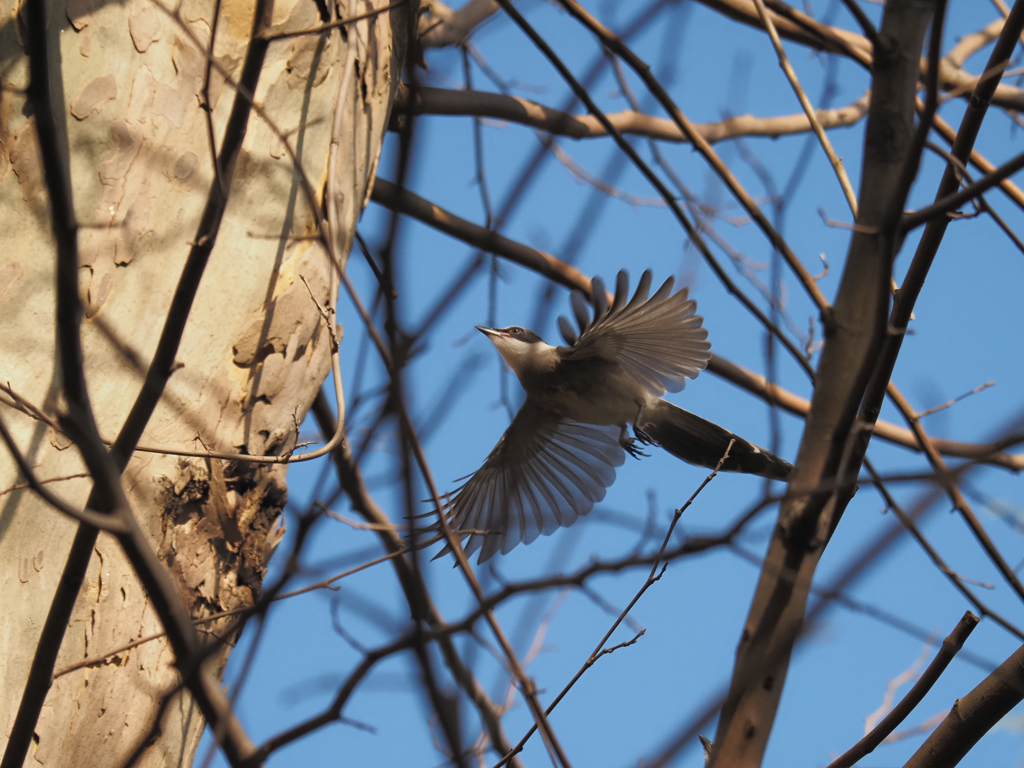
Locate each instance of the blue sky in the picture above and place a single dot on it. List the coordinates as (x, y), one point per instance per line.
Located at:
(631, 703)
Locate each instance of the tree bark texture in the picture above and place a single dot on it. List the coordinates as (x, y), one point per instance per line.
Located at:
(255, 349)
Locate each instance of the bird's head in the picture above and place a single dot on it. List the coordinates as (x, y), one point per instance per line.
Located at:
(522, 349)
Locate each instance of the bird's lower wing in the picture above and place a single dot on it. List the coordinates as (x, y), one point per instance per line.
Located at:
(543, 474)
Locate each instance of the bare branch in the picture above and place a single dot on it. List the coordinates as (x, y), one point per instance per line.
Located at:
(950, 202)
(973, 715)
(826, 145)
(390, 196)
(497, 106)
(955, 400)
(950, 646)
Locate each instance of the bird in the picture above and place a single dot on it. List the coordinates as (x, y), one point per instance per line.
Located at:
(560, 453)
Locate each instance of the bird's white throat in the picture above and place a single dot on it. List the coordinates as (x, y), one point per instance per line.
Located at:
(526, 358)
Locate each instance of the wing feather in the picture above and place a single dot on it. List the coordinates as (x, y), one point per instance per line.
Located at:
(558, 493)
(579, 309)
(660, 341)
(568, 332)
(549, 506)
(621, 290)
(515, 529)
(598, 296)
(543, 474)
(535, 509)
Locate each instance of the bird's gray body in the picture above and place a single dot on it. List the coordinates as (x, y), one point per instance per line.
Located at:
(590, 390)
(560, 452)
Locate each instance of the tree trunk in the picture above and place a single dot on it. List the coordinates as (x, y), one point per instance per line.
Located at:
(254, 353)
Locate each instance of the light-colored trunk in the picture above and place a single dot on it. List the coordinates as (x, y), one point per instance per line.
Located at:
(253, 356)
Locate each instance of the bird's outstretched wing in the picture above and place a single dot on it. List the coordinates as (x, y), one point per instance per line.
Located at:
(544, 473)
(660, 341)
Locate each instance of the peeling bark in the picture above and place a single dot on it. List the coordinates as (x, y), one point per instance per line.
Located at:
(252, 359)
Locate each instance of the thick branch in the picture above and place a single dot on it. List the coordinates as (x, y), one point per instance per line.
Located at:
(854, 332)
(924, 256)
(973, 716)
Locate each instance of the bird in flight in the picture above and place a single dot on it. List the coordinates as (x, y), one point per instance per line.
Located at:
(560, 452)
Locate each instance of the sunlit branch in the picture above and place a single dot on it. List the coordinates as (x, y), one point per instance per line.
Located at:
(497, 106)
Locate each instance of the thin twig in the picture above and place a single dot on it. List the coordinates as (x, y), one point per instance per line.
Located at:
(100, 520)
(826, 145)
(955, 400)
(652, 577)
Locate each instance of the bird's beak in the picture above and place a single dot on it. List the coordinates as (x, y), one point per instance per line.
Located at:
(488, 331)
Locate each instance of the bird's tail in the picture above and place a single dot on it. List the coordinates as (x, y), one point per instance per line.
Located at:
(700, 442)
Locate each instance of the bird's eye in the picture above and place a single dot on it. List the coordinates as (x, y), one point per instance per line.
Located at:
(515, 330)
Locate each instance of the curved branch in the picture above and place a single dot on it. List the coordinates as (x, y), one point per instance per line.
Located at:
(446, 101)
(974, 715)
(950, 647)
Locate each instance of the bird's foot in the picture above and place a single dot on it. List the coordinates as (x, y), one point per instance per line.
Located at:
(630, 445)
(642, 436)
